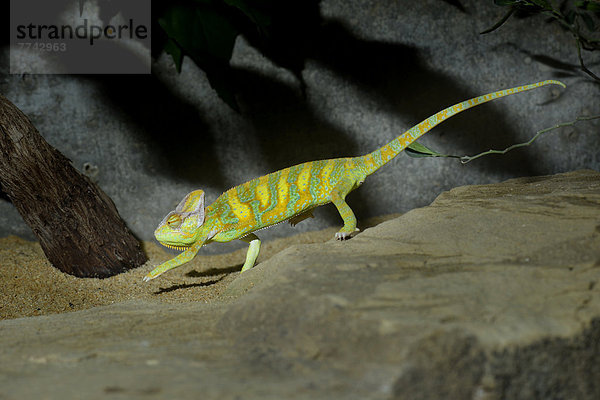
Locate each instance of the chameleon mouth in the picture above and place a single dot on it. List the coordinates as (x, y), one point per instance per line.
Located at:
(173, 247)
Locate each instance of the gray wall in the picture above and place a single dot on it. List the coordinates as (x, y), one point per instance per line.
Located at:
(379, 68)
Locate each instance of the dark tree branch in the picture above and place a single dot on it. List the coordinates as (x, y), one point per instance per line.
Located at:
(77, 225)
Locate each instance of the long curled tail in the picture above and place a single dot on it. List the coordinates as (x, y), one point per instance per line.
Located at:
(381, 156)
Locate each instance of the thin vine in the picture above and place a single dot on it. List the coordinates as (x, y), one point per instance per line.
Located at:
(419, 150)
(467, 159)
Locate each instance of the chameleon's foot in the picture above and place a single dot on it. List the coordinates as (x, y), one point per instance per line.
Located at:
(151, 275)
(147, 278)
(158, 271)
(342, 235)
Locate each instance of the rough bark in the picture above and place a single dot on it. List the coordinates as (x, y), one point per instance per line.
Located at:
(78, 226)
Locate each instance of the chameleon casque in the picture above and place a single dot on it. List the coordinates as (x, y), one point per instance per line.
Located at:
(289, 194)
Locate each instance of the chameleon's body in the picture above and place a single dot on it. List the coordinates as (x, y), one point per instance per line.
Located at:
(288, 194)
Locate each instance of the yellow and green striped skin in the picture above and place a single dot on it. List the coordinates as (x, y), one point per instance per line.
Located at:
(288, 194)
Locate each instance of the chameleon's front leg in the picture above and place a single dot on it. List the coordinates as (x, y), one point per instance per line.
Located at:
(253, 250)
(182, 258)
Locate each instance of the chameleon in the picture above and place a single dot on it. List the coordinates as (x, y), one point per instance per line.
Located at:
(289, 194)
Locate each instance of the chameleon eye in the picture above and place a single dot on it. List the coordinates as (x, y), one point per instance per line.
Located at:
(174, 221)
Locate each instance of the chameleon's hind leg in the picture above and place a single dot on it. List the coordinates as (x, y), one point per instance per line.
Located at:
(338, 198)
(253, 250)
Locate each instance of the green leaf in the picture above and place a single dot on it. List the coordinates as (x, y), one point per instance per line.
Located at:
(204, 32)
(416, 149)
(176, 53)
(183, 27)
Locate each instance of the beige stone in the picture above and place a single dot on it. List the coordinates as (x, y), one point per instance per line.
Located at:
(491, 292)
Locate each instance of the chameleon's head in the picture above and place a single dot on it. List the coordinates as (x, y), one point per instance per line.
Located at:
(180, 228)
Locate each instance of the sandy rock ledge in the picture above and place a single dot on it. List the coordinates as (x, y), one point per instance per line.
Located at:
(491, 292)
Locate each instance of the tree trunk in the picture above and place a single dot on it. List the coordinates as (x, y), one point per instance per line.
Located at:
(76, 223)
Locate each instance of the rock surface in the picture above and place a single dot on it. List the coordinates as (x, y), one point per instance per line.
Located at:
(491, 292)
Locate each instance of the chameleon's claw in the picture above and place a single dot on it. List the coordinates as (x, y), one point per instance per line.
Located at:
(149, 276)
(345, 235)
